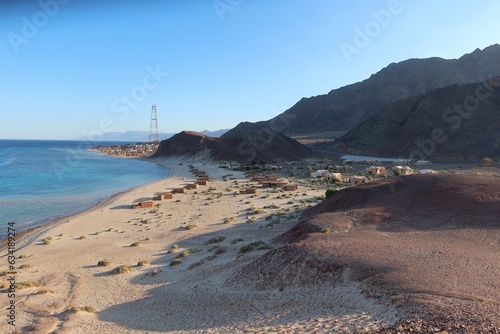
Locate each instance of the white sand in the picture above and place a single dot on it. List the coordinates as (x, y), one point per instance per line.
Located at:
(158, 298)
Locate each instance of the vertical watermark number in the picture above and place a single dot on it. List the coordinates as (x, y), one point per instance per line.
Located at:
(11, 273)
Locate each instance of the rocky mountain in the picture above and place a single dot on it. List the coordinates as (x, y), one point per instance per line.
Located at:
(344, 108)
(461, 121)
(251, 146)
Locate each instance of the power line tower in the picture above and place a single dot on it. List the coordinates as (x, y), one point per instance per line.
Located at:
(153, 131)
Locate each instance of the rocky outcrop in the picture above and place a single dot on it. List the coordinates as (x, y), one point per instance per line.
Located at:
(263, 145)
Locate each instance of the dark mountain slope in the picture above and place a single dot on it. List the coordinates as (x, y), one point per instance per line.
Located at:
(253, 145)
(459, 121)
(343, 108)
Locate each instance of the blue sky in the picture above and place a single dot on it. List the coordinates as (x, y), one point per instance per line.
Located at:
(73, 68)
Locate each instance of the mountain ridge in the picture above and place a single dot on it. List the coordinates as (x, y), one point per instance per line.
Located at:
(252, 146)
(460, 121)
(343, 108)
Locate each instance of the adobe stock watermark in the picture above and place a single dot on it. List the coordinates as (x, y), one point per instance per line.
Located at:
(223, 6)
(31, 26)
(455, 118)
(370, 30)
(121, 108)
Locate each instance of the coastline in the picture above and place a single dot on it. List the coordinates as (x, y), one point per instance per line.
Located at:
(64, 275)
(50, 222)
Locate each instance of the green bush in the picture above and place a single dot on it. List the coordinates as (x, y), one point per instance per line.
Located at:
(215, 240)
(329, 192)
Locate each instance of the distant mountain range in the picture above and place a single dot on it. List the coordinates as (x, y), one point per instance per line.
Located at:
(344, 108)
(143, 136)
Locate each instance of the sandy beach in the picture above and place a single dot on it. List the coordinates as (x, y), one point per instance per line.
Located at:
(180, 254)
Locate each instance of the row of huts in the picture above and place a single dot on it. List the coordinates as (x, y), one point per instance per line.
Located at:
(201, 180)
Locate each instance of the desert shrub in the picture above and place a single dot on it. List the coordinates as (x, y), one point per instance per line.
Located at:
(25, 266)
(190, 227)
(47, 241)
(136, 244)
(227, 220)
(253, 245)
(220, 250)
(325, 230)
(182, 255)
(215, 240)
(104, 263)
(196, 264)
(142, 263)
(125, 268)
(175, 262)
(88, 309)
(235, 241)
(82, 237)
(22, 256)
(397, 172)
(26, 285)
(246, 249)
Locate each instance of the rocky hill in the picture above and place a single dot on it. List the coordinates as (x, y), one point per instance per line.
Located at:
(427, 244)
(456, 122)
(344, 108)
(251, 146)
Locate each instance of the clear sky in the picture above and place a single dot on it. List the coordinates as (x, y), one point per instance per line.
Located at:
(71, 68)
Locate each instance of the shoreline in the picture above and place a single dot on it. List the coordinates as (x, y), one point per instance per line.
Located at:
(66, 273)
(35, 231)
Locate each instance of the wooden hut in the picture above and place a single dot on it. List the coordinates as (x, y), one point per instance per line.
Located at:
(290, 187)
(163, 196)
(142, 205)
(181, 190)
(248, 191)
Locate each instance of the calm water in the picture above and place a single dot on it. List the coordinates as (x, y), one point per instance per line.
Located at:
(43, 180)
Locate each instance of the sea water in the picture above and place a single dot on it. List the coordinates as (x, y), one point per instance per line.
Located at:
(43, 180)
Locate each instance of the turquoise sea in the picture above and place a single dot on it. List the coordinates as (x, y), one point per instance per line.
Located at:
(41, 180)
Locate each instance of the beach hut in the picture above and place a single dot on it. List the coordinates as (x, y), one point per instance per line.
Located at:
(180, 190)
(334, 177)
(248, 191)
(375, 170)
(163, 196)
(357, 179)
(201, 182)
(290, 187)
(406, 171)
(142, 205)
(191, 186)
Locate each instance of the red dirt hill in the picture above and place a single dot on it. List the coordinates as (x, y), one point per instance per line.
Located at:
(426, 243)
